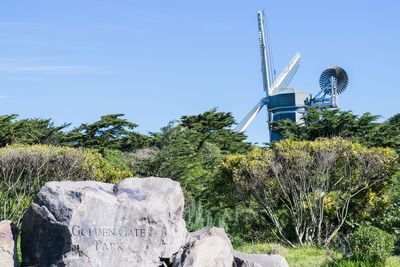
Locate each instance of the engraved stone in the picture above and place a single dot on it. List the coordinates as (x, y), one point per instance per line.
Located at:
(136, 222)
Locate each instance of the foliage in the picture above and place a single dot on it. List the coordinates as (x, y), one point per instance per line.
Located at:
(24, 169)
(19, 249)
(142, 161)
(192, 149)
(306, 256)
(196, 218)
(111, 132)
(214, 127)
(329, 123)
(304, 188)
(196, 130)
(243, 215)
(324, 122)
(189, 150)
(389, 220)
(350, 263)
(388, 134)
(371, 244)
(116, 159)
(264, 248)
(393, 261)
(29, 131)
(379, 205)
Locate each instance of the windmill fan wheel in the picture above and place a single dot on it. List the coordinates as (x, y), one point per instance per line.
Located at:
(339, 74)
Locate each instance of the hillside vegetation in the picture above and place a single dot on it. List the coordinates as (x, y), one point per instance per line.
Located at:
(333, 175)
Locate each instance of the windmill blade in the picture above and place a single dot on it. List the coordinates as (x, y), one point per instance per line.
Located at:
(250, 116)
(287, 74)
(267, 68)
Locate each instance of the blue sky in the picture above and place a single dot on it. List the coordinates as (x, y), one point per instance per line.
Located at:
(155, 61)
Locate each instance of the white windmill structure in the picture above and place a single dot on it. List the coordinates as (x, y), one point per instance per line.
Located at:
(289, 103)
(281, 102)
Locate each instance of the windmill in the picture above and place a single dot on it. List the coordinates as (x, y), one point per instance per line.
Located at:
(272, 86)
(289, 103)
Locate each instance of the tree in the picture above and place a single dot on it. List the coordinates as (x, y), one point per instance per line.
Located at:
(29, 131)
(388, 133)
(189, 150)
(111, 132)
(304, 188)
(330, 123)
(214, 127)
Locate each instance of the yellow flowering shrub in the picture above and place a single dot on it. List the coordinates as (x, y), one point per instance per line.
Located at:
(306, 188)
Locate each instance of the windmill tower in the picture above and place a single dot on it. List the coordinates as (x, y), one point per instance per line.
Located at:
(281, 102)
(289, 103)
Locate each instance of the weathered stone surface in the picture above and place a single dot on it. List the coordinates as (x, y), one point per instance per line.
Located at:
(209, 247)
(259, 260)
(133, 223)
(8, 244)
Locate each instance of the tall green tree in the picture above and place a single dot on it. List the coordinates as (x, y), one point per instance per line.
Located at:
(214, 127)
(110, 132)
(29, 131)
(190, 149)
(330, 123)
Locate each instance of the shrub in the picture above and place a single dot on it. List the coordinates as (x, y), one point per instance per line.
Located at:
(116, 159)
(24, 169)
(390, 219)
(304, 188)
(196, 217)
(371, 244)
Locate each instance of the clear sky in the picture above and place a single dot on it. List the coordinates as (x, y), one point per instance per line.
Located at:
(155, 61)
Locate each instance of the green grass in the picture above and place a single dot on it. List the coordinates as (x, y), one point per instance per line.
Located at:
(309, 256)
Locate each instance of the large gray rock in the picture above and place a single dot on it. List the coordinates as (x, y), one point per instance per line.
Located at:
(8, 244)
(136, 222)
(209, 247)
(259, 260)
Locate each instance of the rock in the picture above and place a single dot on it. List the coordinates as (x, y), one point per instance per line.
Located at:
(8, 244)
(209, 247)
(259, 260)
(137, 222)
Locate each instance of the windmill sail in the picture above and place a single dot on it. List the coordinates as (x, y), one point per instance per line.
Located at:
(250, 116)
(267, 68)
(287, 74)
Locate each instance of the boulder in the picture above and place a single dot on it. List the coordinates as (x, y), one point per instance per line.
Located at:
(137, 222)
(259, 260)
(8, 244)
(209, 247)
